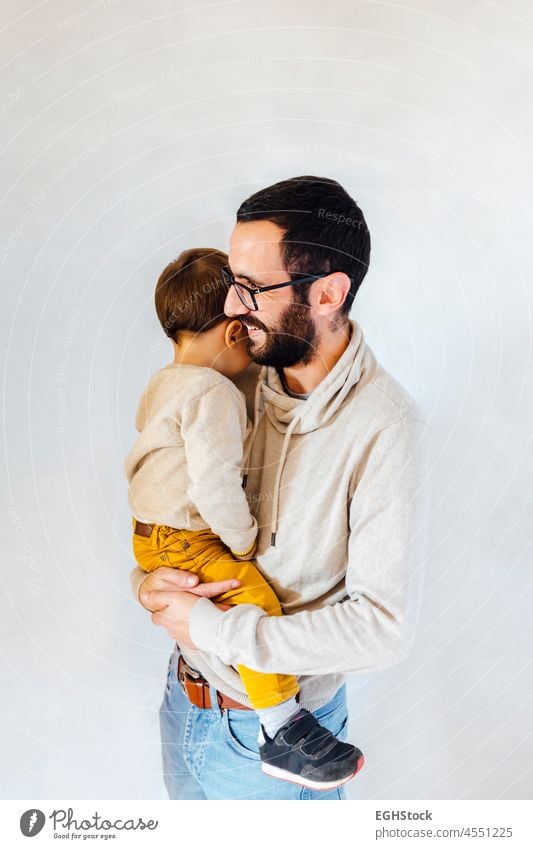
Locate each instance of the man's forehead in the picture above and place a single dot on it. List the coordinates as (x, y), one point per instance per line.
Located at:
(255, 243)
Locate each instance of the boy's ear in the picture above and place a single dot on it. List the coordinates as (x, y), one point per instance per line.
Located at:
(234, 331)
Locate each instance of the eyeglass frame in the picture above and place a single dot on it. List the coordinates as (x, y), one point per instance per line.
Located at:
(230, 279)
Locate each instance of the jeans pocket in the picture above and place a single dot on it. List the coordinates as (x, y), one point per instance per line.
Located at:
(334, 715)
(241, 729)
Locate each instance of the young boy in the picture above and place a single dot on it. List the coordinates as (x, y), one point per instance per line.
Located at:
(189, 506)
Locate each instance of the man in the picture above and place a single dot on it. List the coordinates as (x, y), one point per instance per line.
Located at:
(335, 478)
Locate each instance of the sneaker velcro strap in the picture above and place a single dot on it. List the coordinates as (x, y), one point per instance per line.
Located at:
(300, 729)
(319, 744)
(314, 740)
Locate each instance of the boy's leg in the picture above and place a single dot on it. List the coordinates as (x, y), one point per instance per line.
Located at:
(215, 562)
(204, 554)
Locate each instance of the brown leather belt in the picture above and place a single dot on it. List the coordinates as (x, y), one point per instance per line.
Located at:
(197, 689)
(143, 529)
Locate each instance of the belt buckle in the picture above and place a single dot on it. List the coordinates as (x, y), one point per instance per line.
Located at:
(186, 673)
(192, 683)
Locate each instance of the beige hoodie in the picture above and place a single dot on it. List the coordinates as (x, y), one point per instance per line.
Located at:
(337, 483)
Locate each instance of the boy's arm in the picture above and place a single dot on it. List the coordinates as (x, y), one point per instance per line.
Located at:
(213, 427)
(374, 626)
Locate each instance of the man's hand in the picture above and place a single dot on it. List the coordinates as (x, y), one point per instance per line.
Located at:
(170, 595)
(175, 580)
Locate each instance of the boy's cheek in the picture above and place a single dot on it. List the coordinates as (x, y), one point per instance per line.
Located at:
(243, 348)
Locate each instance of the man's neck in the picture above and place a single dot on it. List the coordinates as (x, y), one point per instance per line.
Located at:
(305, 378)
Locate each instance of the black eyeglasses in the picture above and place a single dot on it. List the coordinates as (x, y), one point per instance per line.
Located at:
(247, 294)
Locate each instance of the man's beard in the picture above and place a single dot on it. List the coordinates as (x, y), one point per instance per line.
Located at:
(294, 340)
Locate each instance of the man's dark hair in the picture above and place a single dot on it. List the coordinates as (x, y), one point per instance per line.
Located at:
(191, 292)
(324, 230)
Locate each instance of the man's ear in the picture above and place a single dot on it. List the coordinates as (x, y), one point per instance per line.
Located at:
(333, 291)
(234, 332)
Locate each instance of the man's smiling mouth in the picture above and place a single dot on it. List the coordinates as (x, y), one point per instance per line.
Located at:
(252, 329)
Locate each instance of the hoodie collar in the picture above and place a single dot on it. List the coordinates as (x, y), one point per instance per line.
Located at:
(324, 401)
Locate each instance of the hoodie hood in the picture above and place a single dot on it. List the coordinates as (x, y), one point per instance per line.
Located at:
(296, 415)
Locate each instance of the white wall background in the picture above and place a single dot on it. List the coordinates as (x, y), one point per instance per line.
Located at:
(132, 130)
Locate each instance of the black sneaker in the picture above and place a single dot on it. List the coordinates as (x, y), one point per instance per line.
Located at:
(305, 752)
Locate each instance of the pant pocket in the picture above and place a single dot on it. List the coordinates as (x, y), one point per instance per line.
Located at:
(334, 715)
(241, 729)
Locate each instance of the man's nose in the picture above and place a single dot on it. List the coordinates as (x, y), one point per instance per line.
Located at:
(233, 304)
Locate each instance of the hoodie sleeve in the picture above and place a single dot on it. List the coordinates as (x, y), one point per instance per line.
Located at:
(374, 626)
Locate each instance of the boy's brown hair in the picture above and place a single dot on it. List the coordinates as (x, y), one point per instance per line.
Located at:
(191, 291)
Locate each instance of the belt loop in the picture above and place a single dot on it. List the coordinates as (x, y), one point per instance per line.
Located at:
(174, 658)
(215, 707)
(154, 537)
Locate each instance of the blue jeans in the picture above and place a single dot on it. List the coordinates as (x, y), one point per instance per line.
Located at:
(213, 754)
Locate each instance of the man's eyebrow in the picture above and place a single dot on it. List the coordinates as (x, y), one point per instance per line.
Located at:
(247, 277)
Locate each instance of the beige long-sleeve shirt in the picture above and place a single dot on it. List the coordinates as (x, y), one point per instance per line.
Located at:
(185, 467)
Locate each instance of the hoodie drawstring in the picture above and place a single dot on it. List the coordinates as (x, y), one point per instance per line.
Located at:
(246, 464)
(275, 497)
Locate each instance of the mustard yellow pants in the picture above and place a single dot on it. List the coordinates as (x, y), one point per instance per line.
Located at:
(204, 554)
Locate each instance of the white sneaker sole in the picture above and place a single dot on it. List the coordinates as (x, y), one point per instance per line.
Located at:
(276, 772)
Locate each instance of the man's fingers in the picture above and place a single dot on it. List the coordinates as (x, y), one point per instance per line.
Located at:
(152, 600)
(158, 599)
(167, 578)
(215, 588)
(160, 586)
